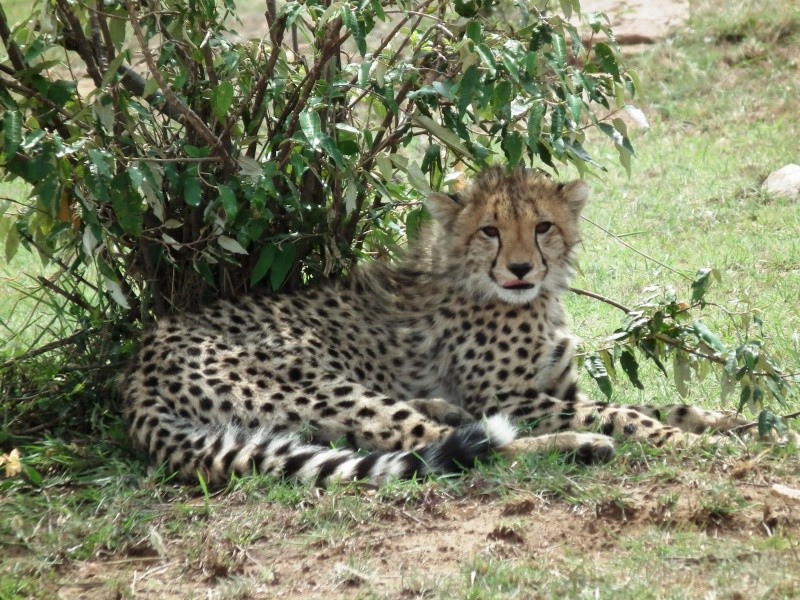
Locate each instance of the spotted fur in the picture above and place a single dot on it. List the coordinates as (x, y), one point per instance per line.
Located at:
(415, 368)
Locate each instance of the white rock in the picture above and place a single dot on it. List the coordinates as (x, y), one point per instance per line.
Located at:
(785, 182)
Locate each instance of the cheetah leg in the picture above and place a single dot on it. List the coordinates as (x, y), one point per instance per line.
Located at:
(546, 414)
(441, 411)
(335, 409)
(692, 418)
(588, 448)
(698, 420)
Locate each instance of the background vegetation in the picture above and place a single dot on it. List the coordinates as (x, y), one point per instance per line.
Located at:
(83, 518)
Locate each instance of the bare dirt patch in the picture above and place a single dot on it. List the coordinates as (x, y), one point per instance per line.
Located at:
(640, 21)
(358, 544)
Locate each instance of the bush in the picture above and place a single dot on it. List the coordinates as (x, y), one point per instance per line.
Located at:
(190, 164)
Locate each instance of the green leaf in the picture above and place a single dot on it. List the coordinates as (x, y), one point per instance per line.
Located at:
(113, 67)
(413, 221)
(467, 88)
(281, 265)
(432, 158)
(263, 264)
(330, 147)
(775, 387)
(192, 190)
(597, 370)
(221, 99)
(34, 477)
(12, 243)
(575, 107)
(474, 31)
(231, 245)
(628, 362)
(750, 351)
(768, 421)
(61, 91)
(312, 127)
(512, 145)
(487, 57)
(101, 162)
(682, 373)
(535, 124)
(558, 118)
(703, 333)
(356, 28)
(744, 397)
(450, 138)
(650, 348)
(12, 130)
(467, 8)
(127, 204)
(228, 200)
(559, 51)
(607, 59)
(701, 283)
(114, 290)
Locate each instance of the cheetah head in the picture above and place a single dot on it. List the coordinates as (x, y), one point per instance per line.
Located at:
(508, 236)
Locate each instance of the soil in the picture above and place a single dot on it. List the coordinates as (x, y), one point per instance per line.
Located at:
(636, 22)
(409, 549)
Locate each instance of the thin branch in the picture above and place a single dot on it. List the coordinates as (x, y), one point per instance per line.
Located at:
(58, 261)
(596, 296)
(747, 426)
(83, 47)
(189, 115)
(639, 252)
(61, 292)
(187, 159)
(14, 53)
(46, 348)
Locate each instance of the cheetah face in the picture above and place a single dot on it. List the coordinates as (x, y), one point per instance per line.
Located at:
(509, 237)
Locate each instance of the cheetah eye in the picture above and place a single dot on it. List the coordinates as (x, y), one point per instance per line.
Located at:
(490, 231)
(543, 227)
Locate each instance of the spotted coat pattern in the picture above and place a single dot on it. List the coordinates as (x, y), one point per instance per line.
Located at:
(420, 367)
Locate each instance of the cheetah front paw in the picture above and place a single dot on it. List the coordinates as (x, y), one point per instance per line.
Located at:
(442, 411)
(585, 448)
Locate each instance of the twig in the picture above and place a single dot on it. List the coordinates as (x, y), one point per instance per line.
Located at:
(14, 53)
(596, 296)
(185, 159)
(83, 47)
(31, 93)
(71, 297)
(747, 426)
(639, 252)
(46, 348)
(189, 115)
(59, 262)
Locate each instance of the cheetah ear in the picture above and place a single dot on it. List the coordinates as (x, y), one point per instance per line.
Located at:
(575, 194)
(444, 207)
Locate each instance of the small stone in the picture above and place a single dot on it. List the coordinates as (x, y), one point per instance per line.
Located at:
(784, 183)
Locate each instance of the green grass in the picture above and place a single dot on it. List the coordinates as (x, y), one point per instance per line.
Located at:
(722, 100)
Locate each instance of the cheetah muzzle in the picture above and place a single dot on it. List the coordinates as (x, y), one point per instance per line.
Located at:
(422, 367)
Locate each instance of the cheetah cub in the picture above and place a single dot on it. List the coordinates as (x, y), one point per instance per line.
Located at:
(422, 367)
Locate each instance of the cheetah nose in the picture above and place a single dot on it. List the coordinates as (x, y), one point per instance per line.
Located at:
(520, 269)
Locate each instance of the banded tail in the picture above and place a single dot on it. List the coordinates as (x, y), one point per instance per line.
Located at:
(218, 452)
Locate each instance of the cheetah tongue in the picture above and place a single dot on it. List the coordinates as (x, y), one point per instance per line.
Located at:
(517, 284)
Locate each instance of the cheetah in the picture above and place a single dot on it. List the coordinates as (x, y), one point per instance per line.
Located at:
(401, 370)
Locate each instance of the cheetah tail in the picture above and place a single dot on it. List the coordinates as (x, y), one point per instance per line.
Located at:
(220, 452)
